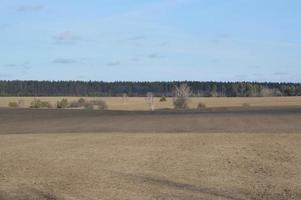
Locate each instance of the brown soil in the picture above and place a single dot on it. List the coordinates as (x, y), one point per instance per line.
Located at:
(231, 154)
(230, 120)
(150, 166)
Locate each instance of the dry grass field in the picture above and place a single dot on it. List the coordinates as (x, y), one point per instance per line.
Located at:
(140, 103)
(150, 166)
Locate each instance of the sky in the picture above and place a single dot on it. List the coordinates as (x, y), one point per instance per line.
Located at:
(151, 40)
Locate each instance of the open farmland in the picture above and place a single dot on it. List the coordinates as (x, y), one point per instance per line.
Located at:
(150, 100)
(217, 153)
(140, 103)
(214, 120)
(150, 166)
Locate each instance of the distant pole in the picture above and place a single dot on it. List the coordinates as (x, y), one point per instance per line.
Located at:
(124, 98)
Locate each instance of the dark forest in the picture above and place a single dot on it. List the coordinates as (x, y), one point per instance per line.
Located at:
(99, 88)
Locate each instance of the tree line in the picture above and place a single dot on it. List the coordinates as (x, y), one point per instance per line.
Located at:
(166, 88)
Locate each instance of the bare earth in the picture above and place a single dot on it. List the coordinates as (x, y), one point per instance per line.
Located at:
(150, 166)
(230, 120)
(211, 154)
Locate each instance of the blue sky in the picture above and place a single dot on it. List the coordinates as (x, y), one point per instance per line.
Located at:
(219, 40)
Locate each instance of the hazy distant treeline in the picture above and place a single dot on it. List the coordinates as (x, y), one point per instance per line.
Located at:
(98, 88)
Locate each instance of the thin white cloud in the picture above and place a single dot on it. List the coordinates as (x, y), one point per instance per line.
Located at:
(66, 37)
(115, 63)
(11, 65)
(30, 8)
(137, 38)
(155, 56)
(65, 61)
(25, 65)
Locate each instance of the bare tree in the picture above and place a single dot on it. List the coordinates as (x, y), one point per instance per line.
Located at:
(150, 100)
(181, 96)
(124, 98)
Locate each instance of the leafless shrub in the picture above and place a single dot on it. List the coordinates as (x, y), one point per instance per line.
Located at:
(46, 104)
(163, 99)
(37, 103)
(201, 105)
(180, 104)
(13, 104)
(62, 104)
(81, 101)
(181, 97)
(78, 104)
